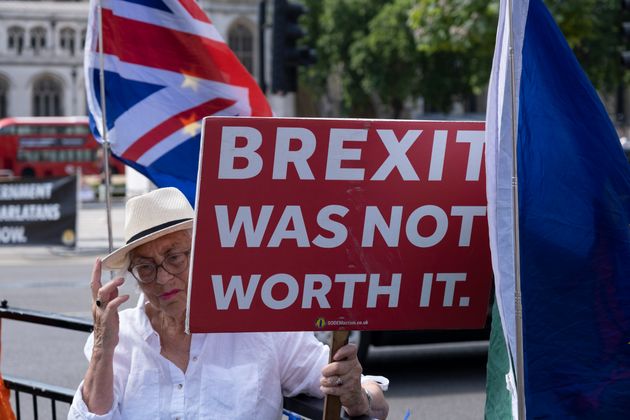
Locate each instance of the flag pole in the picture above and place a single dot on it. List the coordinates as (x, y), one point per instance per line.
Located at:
(518, 307)
(105, 144)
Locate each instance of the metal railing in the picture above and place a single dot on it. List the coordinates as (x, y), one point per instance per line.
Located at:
(302, 405)
(44, 318)
(37, 390)
(33, 388)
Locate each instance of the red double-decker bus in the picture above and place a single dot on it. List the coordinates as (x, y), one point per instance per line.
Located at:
(50, 146)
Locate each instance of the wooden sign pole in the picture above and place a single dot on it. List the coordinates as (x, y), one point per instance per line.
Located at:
(332, 403)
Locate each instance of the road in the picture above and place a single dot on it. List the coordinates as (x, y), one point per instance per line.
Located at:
(430, 381)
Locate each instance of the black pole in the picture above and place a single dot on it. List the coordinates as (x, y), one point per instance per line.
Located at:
(621, 109)
(262, 23)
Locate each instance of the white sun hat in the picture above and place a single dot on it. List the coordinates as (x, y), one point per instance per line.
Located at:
(148, 217)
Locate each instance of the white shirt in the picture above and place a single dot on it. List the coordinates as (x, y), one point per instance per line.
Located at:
(235, 376)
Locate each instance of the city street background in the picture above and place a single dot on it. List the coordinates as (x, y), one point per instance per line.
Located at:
(437, 381)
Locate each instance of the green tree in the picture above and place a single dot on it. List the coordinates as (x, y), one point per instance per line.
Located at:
(456, 38)
(386, 60)
(593, 30)
(334, 27)
(385, 52)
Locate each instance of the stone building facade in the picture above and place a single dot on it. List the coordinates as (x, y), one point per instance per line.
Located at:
(41, 51)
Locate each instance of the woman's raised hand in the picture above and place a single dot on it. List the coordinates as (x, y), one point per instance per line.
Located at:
(106, 301)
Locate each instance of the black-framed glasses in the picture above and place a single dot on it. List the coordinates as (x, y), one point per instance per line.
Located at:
(175, 263)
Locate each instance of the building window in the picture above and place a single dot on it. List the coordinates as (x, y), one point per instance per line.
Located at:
(67, 40)
(15, 39)
(38, 39)
(241, 41)
(83, 37)
(47, 95)
(4, 91)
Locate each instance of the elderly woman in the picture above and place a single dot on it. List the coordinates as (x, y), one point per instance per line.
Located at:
(142, 364)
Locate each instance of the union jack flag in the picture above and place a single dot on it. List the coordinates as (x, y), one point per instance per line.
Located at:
(165, 68)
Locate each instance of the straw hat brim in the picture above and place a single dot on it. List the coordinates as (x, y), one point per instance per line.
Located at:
(118, 259)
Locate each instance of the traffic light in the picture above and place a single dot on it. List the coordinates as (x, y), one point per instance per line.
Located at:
(287, 55)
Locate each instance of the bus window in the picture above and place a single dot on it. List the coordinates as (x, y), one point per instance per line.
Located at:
(28, 142)
(25, 130)
(83, 130)
(72, 141)
(8, 130)
(87, 155)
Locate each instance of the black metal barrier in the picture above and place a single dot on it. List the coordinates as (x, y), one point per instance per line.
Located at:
(37, 389)
(302, 405)
(44, 318)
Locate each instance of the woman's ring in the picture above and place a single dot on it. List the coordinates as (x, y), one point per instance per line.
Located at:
(98, 303)
(339, 381)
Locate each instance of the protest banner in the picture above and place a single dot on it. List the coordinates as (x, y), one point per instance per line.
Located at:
(38, 212)
(307, 224)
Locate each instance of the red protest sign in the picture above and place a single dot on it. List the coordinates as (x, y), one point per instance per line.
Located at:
(305, 224)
